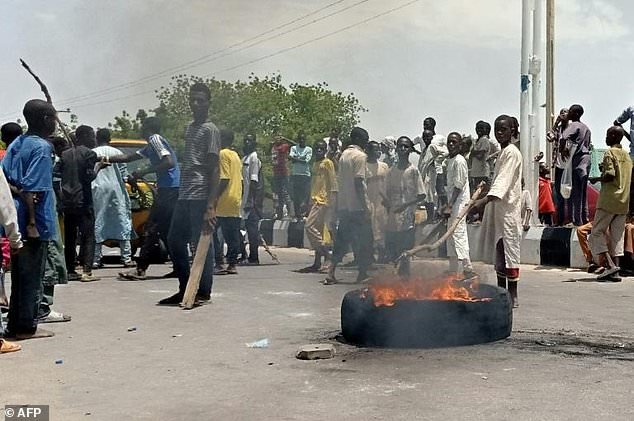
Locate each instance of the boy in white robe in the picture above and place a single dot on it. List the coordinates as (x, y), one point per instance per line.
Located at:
(458, 199)
(427, 170)
(503, 203)
(376, 175)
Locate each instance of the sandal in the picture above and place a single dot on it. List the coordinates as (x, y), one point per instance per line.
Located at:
(6, 347)
(330, 281)
(308, 269)
(607, 273)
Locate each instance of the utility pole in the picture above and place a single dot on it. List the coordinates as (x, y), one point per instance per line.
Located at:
(532, 124)
(550, 74)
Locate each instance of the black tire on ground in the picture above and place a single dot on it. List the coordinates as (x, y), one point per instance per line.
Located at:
(427, 323)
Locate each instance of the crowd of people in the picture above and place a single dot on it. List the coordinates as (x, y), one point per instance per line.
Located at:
(359, 195)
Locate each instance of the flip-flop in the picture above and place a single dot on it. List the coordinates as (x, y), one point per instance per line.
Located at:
(607, 273)
(6, 347)
(221, 272)
(55, 317)
(309, 269)
(39, 333)
(330, 281)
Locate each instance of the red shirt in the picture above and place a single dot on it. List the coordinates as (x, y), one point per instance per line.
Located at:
(280, 158)
(546, 204)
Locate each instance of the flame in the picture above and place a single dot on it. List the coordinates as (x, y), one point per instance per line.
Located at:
(387, 292)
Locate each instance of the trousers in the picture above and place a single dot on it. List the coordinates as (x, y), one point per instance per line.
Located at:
(27, 272)
(185, 229)
(354, 230)
(79, 221)
(158, 224)
(607, 233)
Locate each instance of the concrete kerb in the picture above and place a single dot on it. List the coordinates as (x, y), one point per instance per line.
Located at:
(547, 246)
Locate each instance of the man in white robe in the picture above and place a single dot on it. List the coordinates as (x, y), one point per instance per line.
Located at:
(502, 220)
(432, 154)
(113, 216)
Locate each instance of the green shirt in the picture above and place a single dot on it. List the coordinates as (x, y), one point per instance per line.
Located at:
(615, 195)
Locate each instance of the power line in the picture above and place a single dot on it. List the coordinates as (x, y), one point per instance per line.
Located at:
(310, 41)
(200, 60)
(282, 51)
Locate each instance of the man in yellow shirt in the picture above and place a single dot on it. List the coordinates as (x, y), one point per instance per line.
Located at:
(613, 205)
(229, 200)
(322, 193)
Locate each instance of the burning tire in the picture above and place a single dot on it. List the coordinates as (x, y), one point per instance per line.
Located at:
(427, 323)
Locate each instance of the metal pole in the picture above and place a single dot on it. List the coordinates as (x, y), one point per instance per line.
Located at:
(537, 114)
(550, 74)
(525, 123)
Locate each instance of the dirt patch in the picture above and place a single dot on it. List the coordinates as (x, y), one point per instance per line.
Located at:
(573, 344)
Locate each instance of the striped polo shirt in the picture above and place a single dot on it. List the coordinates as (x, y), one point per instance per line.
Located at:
(201, 140)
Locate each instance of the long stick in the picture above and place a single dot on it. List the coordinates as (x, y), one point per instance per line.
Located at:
(189, 298)
(450, 229)
(266, 246)
(48, 99)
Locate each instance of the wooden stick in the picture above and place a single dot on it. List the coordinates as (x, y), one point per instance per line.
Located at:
(266, 246)
(450, 229)
(49, 100)
(189, 298)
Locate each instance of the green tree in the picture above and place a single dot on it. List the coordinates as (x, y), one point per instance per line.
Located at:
(125, 127)
(261, 105)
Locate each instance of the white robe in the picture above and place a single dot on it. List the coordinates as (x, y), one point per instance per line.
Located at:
(502, 218)
(113, 218)
(458, 177)
(428, 174)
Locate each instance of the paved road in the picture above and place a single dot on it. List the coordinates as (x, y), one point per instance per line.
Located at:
(194, 365)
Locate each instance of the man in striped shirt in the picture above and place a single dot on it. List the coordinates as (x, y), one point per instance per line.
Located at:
(164, 164)
(197, 195)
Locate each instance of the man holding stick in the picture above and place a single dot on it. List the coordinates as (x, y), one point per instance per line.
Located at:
(197, 197)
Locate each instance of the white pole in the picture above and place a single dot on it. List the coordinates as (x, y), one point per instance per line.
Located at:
(538, 117)
(550, 75)
(525, 123)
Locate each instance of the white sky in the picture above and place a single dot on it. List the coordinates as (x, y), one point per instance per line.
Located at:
(457, 60)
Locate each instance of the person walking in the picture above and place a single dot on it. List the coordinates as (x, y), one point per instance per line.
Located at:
(252, 197)
(113, 215)
(163, 163)
(195, 211)
(355, 228)
(78, 167)
(323, 195)
(229, 201)
(608, 226)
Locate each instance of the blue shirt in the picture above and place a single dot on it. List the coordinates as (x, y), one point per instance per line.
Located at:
(28, 165)
(158, 147)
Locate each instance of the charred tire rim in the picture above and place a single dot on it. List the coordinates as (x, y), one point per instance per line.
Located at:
(428, 323)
